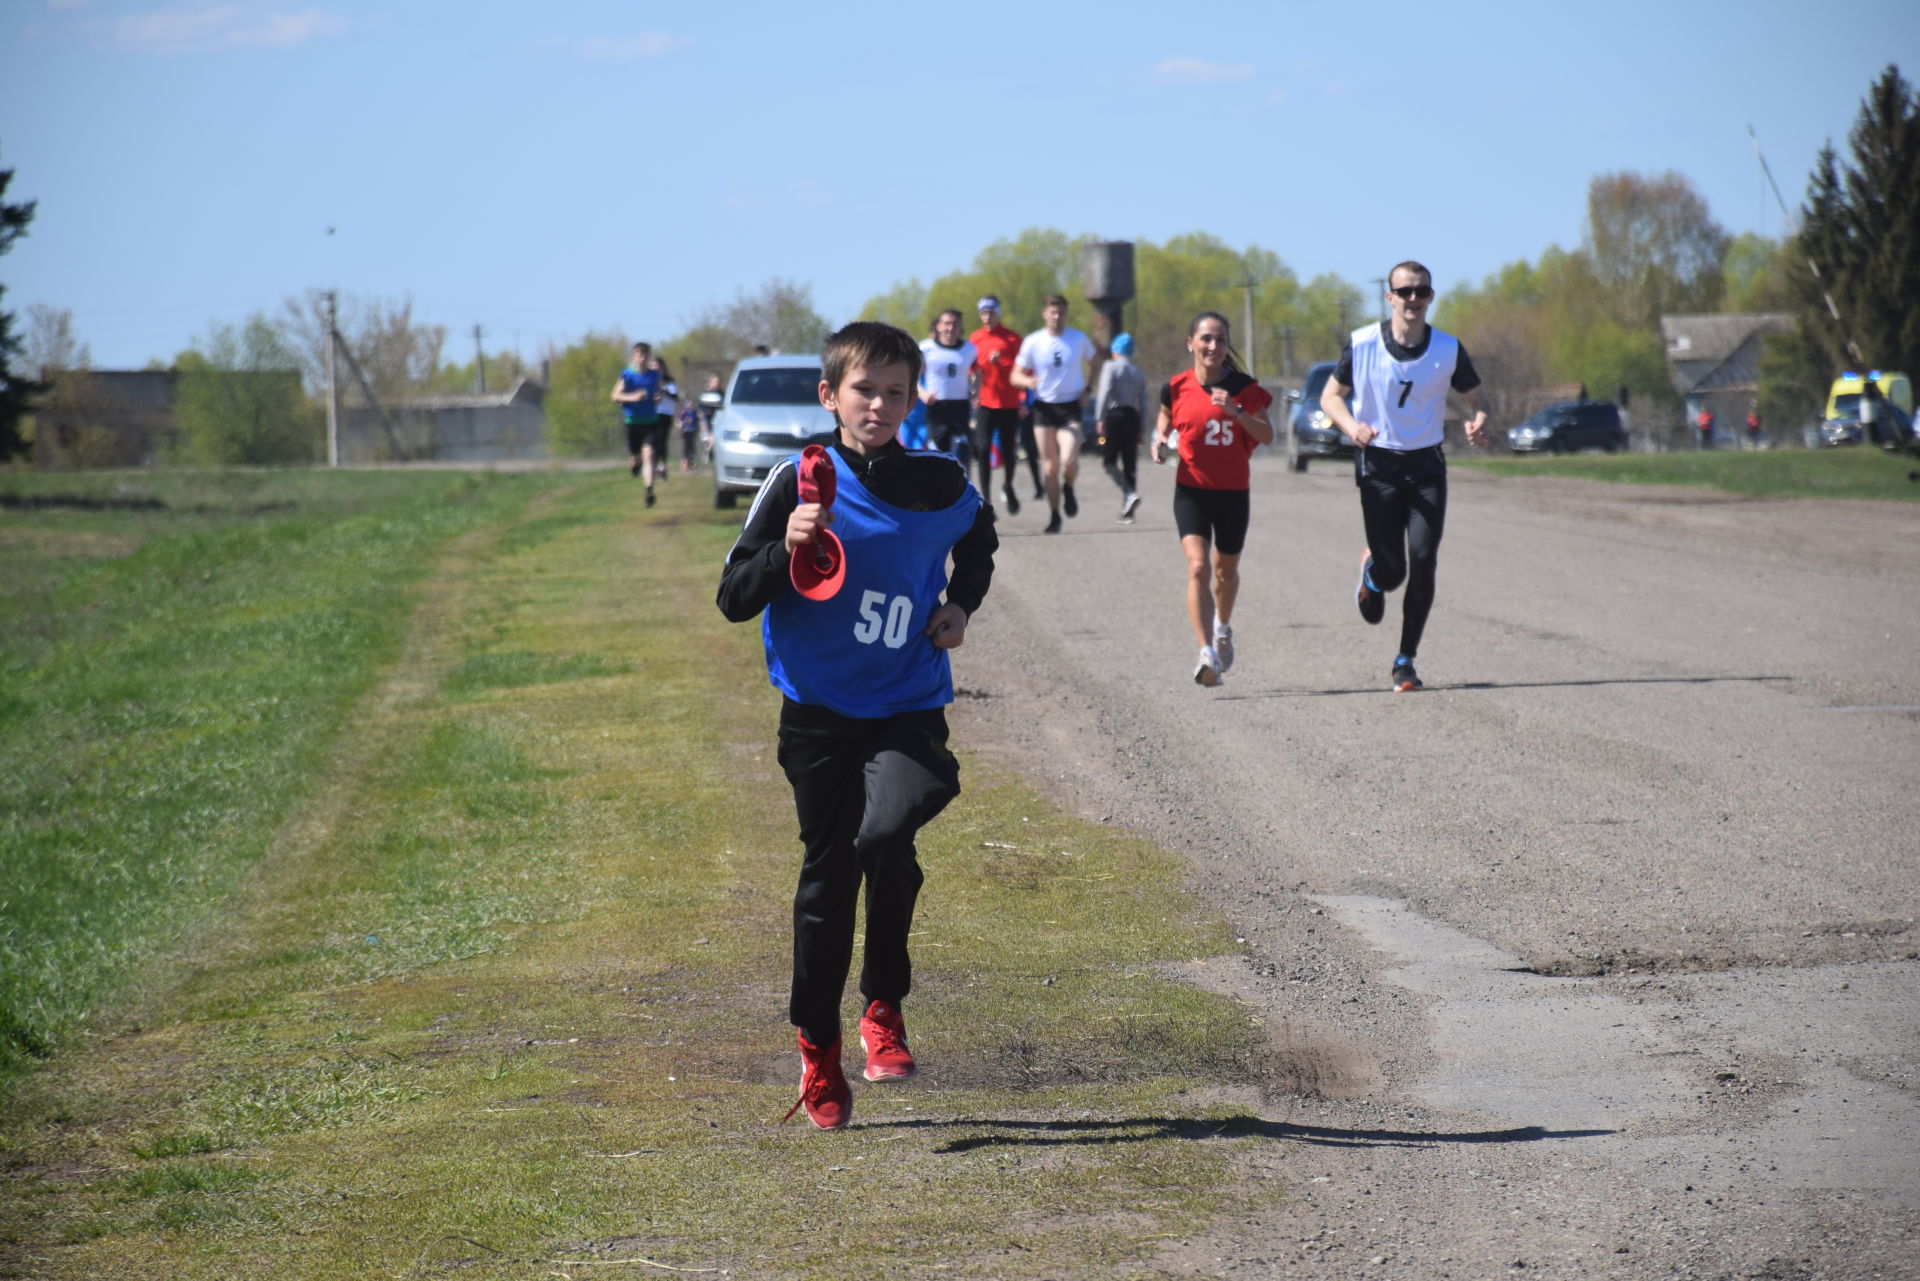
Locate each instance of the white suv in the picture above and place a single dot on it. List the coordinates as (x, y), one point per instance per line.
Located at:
(772, 411)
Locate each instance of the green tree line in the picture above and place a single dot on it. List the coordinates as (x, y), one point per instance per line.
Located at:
(1587, 315)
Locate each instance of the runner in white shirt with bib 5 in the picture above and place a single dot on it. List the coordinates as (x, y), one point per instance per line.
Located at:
(1053, 362)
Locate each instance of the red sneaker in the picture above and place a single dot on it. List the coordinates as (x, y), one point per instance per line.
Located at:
(824, 1091)
(883, 1034)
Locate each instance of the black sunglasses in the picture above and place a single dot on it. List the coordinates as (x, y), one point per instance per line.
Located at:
(1413, 293)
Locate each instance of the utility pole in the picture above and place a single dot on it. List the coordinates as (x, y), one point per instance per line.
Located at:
(1249, 283)
(1286, 355)
(333, 390)
(1786, 223)
(480, 363)
(1382, 282)
(366, 387)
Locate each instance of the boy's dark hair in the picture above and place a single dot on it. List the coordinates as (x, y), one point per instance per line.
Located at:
(642, 346)
(1055, 300)
(958, 319)
(870, 343)
(1408, 265)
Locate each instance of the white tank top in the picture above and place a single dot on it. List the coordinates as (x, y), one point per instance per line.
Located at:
(944, 369)
(1405, 400)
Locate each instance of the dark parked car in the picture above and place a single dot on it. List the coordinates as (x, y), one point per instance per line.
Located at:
(1574, 425)
(1845, 430)
(1310, 433)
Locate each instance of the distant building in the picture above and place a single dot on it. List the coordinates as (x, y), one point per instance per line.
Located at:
(105, 418)
(494, 427)
(1715, 361)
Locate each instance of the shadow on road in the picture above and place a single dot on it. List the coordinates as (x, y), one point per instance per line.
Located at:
(1139, 1129)
(1482, 685)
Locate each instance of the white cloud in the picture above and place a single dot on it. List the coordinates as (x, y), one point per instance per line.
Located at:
(1197, 71)
(626, 48)
(220, 26)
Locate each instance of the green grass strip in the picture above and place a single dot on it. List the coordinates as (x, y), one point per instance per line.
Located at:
(1787, 473)
(510, 993)
(176, 660)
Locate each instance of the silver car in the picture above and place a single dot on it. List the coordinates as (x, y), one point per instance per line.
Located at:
(772, 411)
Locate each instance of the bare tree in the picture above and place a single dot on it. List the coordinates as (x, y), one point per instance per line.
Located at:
(778, 315)
(400, 356)
(1653, 247)
(49, 343)
(1509, 354)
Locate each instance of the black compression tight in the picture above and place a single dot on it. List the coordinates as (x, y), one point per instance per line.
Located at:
(1405, 515)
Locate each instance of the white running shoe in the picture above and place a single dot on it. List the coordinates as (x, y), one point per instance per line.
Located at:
(1129, 505)
(1223, 646)
(1207, 671)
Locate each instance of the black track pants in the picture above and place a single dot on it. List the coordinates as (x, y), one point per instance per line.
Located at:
(1002, 425)
(862, 789)
(1122, 455)
(1404, 504)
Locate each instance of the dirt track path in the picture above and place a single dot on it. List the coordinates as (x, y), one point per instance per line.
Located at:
(1598, 958)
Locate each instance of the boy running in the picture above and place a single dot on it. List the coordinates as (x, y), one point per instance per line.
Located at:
(637, 394)
(1399, 371)
(865, 680)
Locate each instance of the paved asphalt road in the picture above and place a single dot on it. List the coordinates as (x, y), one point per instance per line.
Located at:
(1597, 958)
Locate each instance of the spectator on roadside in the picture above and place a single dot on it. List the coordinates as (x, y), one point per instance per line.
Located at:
(1705, 423)
(709, 403)
(1753, 425)
(1871, 411)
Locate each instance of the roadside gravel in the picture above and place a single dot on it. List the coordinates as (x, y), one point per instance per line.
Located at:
(1597, 958)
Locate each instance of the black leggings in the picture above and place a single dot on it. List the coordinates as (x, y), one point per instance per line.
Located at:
(862, 790)
(1405, 508)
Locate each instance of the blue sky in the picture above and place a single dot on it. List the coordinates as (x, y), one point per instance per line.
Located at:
(540, 170)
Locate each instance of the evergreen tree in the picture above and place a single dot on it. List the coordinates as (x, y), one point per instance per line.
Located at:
(1862, 230)
(16, 389)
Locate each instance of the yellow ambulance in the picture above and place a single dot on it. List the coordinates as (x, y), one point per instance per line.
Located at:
(1843, 398)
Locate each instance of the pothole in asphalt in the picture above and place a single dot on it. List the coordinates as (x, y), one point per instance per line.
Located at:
(1742, 1078)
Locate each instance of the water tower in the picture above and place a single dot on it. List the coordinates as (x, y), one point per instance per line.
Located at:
(1106, 277)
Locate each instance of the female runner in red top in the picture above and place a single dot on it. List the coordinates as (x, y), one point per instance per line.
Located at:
(1214, 414)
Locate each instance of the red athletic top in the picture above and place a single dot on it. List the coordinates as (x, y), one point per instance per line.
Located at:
(996, 348)
(1213, 450)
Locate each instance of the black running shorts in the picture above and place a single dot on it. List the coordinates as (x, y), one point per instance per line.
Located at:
(653, 432)
(1057, 413)
(1217, 515)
